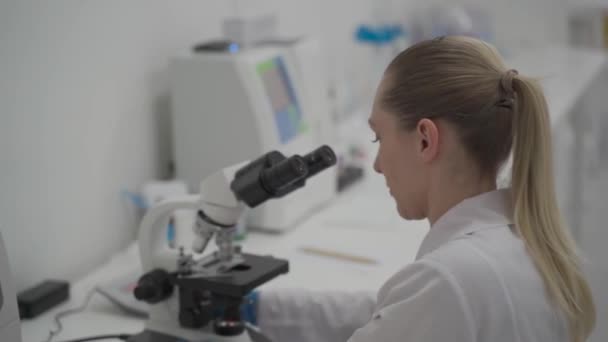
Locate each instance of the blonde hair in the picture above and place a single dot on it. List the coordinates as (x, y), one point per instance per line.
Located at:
(496, 111)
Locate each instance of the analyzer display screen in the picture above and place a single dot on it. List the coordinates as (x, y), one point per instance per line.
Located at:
(280, 92)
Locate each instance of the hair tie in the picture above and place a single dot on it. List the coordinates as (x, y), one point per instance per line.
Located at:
(506, 81)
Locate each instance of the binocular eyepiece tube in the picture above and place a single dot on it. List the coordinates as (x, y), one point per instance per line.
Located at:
(273, 175)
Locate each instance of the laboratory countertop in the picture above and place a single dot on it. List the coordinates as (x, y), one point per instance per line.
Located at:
(361, 221)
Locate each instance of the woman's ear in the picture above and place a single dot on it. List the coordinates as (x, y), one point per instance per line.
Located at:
(427, 140)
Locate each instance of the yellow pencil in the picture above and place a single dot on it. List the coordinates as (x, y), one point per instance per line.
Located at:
(339, 255)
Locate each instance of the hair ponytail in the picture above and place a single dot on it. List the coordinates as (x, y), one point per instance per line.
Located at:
(536, 211)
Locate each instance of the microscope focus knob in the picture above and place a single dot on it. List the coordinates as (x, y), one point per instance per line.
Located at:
(154, 286)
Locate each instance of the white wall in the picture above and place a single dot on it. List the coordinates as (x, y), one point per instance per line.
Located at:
(81, 127)
(84, 114)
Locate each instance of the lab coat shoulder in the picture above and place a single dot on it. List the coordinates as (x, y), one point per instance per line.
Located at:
(470, 266)
(422, 302)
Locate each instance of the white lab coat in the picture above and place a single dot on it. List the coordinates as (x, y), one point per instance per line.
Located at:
(472, 281)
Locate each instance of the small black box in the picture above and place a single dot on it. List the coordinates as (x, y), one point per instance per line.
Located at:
(36, 300)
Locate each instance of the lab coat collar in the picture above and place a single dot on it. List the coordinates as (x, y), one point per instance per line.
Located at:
(487, 210)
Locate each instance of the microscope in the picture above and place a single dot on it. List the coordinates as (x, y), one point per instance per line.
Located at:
(196, 298)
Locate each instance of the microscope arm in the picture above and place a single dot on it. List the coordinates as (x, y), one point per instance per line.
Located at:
(153, 248)
(216, 203)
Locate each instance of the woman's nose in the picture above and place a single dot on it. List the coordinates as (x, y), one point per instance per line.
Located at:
(377, 165)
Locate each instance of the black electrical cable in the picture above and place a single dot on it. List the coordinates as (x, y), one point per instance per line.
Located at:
(122, 337)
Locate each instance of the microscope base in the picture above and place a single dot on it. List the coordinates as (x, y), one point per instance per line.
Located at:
(152, 336)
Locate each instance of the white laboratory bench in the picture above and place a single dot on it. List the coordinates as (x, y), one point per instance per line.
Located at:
(361, 221)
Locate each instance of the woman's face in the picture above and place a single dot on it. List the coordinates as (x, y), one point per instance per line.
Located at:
(401, 160)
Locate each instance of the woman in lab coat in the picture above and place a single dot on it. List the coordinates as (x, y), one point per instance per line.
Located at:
(496, 265)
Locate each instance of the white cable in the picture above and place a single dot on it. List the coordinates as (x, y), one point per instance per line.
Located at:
(60, 315)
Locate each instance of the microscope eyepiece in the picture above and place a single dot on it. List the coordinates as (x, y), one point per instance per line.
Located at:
(320, 159)
(264, 179)
(273, 175)
(289, 171)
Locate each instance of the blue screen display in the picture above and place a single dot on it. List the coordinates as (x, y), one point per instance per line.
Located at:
(283, 100)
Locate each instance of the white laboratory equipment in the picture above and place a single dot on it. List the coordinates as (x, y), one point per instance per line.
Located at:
(306, 55)
(235, 104)
(10, 330)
